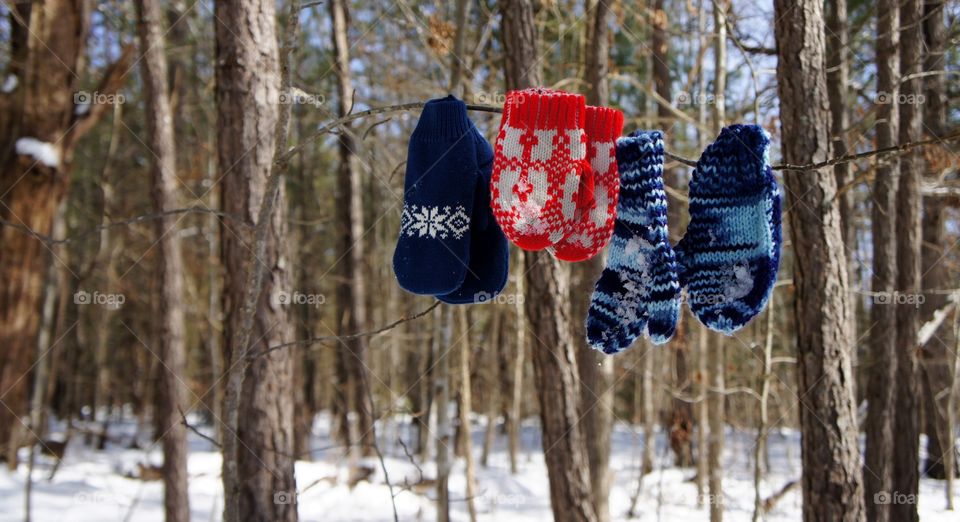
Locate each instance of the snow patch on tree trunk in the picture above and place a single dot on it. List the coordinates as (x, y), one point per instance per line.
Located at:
(42, 151)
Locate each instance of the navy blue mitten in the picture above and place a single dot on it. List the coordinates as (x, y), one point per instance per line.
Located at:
(730, 253)
(433, 251)
(638, 292)
(489, 251)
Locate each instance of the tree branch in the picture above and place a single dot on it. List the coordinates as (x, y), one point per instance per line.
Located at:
(328, 338)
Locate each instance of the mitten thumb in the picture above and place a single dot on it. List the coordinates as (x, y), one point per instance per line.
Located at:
(585, 193)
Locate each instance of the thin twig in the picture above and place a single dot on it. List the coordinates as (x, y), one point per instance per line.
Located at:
(191, 427)
(328, 338)
(50, 241)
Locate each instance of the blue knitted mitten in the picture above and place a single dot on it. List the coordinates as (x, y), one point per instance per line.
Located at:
(433, 251)
(489, 251)
(638, 291)
(730, 253)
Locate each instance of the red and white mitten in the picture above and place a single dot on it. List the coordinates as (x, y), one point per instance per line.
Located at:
(539, 157)
(593, 225)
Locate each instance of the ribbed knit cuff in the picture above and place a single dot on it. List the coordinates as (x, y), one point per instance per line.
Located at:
(542, 108)
(643, 137)
(603, 123)
(645, 147)
(751, 136)
(442, 119)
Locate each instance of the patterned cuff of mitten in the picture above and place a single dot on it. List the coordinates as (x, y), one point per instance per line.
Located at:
(645, 148)
(442, 119)
(603, 123)
(542, 108)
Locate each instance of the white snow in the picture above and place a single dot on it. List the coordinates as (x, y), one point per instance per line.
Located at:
(10, 83)
(93, 485)
(42, 151)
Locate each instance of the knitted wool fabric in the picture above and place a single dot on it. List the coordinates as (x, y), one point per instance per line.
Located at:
(539, 158)
(594, 225)
(638, 291)
(489, 251)
(730, 253)
(433, 251)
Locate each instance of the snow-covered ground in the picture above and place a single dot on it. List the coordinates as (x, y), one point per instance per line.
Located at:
(94, 485)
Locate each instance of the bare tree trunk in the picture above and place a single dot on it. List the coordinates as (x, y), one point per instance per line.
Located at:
(703, 414)
(547, 306)
(649, 411)
(716, 400)
(555, 371)
(442, 401)
(153, 68)
(703, 335)
(45, 355)
(837, 78)
(906, 439)
(351, 294)
(952, 401)
(935, 354)
(258, 402)
(461, 15)
(465, 399)
(516, 393)
(595, 369)
(492, 383)
(878, 466)
(760, 448)
(832, 488)
(39, 129)
(720, 8)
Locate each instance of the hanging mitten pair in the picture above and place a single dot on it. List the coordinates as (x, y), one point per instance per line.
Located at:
(727, 259)
(450, 245)
(555, 182)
